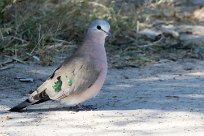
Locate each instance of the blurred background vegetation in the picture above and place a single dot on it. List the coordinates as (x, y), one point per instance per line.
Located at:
(144, 31)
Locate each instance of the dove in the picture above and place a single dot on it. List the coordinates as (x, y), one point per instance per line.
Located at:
(81, 76)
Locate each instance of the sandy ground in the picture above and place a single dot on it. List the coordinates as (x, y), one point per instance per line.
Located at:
(157, 100)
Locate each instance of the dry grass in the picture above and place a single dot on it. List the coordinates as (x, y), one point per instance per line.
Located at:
(32, 28)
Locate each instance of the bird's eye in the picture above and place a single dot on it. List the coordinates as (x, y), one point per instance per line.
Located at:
(98, 27)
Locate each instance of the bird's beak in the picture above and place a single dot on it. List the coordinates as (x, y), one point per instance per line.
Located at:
(108, 33)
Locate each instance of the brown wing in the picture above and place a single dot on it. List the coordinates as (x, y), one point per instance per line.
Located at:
(74, 76)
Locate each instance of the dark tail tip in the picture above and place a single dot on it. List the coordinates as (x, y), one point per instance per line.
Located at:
(21, 106)
(15, 109)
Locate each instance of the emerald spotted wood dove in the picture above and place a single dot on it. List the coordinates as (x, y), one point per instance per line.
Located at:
(81, 76)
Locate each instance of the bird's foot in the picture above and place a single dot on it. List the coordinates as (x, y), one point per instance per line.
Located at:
(80, 107)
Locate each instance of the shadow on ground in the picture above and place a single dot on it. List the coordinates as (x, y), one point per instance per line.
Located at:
(171, 86)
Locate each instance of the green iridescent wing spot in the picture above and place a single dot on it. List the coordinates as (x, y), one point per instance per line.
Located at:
(69, 81)
(58, 85)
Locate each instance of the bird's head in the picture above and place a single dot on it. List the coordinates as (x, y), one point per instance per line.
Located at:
(100, 26)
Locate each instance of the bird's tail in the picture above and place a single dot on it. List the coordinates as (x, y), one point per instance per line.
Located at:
(38, 98)
(21, 106)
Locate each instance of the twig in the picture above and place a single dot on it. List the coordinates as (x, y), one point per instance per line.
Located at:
(33, 56)
(26, 79)
(61, 45)
(17, 38)
(59, 40)
(6, 62)
(1, 35)
(152, 44)
(16, 59)
(7, 67)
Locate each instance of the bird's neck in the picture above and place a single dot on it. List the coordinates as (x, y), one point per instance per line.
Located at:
(94, 47)
(97, 39)
(94, 44)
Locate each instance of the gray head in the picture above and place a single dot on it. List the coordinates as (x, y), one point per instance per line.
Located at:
(100, 25)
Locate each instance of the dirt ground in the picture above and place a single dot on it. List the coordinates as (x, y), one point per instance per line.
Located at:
(166, 98)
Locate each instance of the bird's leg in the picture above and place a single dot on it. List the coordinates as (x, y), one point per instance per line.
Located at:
(80, 107)
(86, 107)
